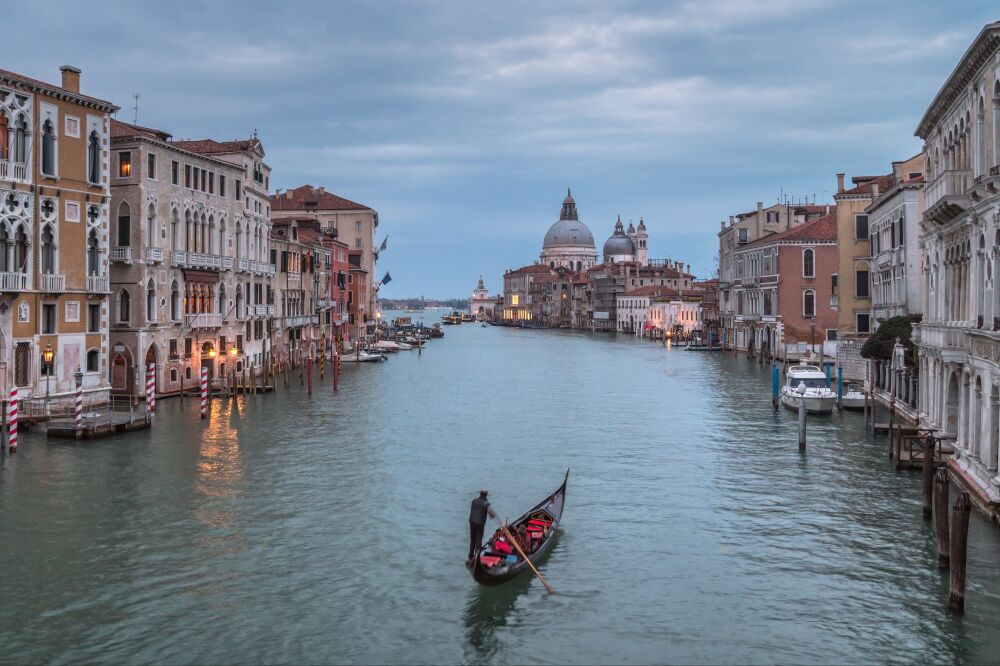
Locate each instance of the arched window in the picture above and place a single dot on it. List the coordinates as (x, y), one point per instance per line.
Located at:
(239, 303)
(151, 301)
(808, 263)
(175, 302)
(809, 303)
(48, 251)
(239, 241)
(174, 236)
(124, 305)
(222, 236)
(48, 149)
(211, 235)
(21, 140)
(93, 360)
(21, 250)
(222, 299)
(93, 264)
(203, 243)
(4, 148)
(188, 232)
(94, 158)
(124, 225)
(5, 248)
(151, 226)
(981, 167)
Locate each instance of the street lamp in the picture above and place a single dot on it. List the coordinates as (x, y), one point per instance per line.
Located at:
(48, 355)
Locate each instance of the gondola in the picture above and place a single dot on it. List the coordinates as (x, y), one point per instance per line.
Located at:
(493, 567)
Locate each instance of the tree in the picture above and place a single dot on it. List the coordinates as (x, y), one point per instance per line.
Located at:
(880, 345)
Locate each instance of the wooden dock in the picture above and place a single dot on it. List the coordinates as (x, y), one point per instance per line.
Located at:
(99, 424)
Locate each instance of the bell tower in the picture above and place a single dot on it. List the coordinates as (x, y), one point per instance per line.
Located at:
(641, 244)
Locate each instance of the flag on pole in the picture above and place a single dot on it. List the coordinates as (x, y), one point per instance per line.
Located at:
(381, 248)
(387, 279)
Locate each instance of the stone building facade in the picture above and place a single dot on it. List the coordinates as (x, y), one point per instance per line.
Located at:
(55, 194)
(893, 228)
(301, 287)
(355, 225)
(958, 340)
(190, 281)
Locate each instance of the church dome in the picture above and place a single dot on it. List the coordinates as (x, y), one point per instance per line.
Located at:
(569, 231)
(618, 244)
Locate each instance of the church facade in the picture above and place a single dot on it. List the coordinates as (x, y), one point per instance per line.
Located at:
(568, 243)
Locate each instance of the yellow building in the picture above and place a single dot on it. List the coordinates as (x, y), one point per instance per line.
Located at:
(851, 285)
(53, 236)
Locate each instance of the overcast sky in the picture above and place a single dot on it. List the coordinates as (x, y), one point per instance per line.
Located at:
(463, 123)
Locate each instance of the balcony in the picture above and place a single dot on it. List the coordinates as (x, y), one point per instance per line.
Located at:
(260, 310)
(98, 284)
(204, 320)
(178, 259)
(53, 282)
(204, 261)
(121, 255)
(10, 170)
(242, 265)
(301, 320)
(14, 282)
(227, 263)
(325, 303)
(154, 255)
(941, 336)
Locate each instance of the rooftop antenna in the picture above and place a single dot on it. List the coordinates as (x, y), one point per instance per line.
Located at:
(135, 109)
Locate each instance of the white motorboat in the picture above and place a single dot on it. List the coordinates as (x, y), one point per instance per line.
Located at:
(369, 357)
(387, 346)
(853, 397)
(404, 346)
(807, 382)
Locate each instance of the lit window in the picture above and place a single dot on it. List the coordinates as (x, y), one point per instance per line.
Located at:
(515, 299)
(124, 164)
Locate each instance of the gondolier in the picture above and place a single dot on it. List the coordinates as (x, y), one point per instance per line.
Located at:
(477, 522)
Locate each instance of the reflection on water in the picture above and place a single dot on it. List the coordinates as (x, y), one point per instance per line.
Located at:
(286, 529)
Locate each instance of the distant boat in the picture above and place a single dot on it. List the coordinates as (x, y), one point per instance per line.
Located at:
(369, 357)
(387, 346)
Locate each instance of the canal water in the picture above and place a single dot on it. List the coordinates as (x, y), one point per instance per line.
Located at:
(334, 529)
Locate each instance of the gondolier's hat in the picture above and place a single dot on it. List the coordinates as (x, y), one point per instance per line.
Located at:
(483, 492)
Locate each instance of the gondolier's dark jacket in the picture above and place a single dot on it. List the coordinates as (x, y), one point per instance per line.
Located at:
(479, 509)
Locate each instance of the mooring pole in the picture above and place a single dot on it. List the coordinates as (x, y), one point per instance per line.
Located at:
(959, 550)
(941, 517)
(802, 424)
(775, 383)
(927, 494)
(840, 387)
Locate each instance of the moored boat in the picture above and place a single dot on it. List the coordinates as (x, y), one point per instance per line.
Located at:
(808, 383)
(853, 397)
(387, 346)
(369, 357)
(498, 562)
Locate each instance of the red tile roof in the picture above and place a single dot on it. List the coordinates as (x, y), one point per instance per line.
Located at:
(54, 89)
(120, 130)
(213, 147)
(821, 229)
(313, 198)
(650, 290)
(863, 184)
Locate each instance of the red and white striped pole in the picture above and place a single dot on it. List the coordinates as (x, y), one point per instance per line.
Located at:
(12, 421)
(79, 408)
(204, 393)
(151, 388)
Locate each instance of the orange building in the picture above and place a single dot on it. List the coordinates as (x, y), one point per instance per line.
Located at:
(53, 236)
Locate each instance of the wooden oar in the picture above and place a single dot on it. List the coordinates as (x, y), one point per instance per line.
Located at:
(513, 541)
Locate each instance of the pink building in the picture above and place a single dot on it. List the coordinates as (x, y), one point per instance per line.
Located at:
(784, 288)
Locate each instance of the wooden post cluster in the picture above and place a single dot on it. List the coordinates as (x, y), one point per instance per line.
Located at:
(941, 517)
(927, 494)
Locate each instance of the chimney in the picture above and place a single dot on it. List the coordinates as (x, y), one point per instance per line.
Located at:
(840, 183)
(70, 78)
(321, 189)
(760, 207)
(874, 190)
(288, 195)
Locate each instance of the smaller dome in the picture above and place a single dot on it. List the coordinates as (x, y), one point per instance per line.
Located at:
(631, 229)
(618, 244)
(642, 225)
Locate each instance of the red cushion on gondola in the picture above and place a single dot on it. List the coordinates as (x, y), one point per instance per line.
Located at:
(539, 523)
(488, 560)
(503, 547)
